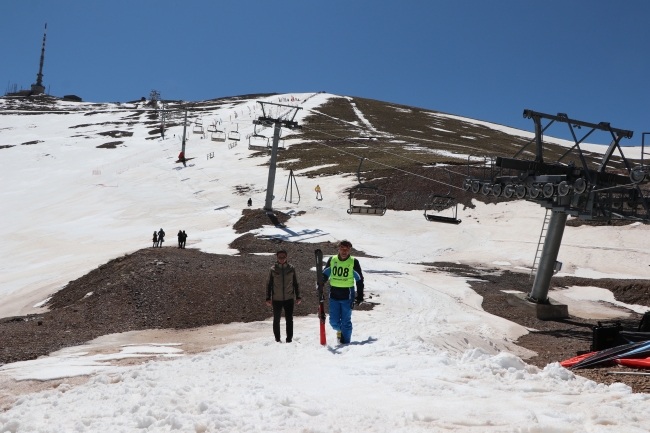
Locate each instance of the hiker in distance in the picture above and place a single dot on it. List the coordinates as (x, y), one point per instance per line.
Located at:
(343, 270)
(161, 237)
(319, 196)
(281, 292)
(180, 239)
(155, 238)
(250, 202)
(184, 239)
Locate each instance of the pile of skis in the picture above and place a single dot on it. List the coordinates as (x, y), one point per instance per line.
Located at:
(635, 352)
(636, 355)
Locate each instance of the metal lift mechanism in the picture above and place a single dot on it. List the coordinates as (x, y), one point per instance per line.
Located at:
(566, 189)
(640, 172)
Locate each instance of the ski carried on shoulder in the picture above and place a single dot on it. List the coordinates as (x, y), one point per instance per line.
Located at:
(321, 297)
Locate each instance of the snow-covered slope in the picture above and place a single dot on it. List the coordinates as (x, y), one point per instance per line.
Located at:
(427, 358)
(70, 206)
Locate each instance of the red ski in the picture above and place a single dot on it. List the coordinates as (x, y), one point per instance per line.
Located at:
(321, 297)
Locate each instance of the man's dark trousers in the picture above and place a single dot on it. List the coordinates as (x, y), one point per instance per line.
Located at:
(288, 317)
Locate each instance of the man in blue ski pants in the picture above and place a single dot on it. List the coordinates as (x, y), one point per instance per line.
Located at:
(343, 270)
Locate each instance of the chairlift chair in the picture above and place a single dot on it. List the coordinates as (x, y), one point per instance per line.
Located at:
(212, 127)
(439, 203)
(366, 199)
(257, 141)
(235, 135)
(198, 127)
(218, 134)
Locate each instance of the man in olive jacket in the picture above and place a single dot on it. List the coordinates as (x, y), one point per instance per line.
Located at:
(281, 290)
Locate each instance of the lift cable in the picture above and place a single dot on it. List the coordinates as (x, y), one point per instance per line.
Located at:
(370, 160)
(626, 186)
(381, 150)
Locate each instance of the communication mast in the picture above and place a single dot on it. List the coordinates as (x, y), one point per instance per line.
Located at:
(38, 88)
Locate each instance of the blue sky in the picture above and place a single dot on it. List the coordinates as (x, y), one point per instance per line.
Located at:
(483, 59)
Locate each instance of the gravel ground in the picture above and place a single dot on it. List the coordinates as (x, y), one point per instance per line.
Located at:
(561, 339)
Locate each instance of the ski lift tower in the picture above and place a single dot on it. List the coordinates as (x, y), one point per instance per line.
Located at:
(590, 193)
(284, 120)
(164, 112)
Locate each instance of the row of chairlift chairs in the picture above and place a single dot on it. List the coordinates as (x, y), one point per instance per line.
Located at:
(364, 199)
(217, 133)
(368, 200)
(256, 141)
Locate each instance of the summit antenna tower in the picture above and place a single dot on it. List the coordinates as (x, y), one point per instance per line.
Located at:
(38, 88)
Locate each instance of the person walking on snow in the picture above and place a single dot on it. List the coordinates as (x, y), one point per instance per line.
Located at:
(155, 238)
(184, 239)
(161, 237)
(318, 193)
(180, 239)
(343, 270)
(281, 290)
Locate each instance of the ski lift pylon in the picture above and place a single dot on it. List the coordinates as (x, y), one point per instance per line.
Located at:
(366, 193)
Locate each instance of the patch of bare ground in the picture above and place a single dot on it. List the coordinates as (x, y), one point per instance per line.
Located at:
(246, 189)
(577, 222)
(110, 145)
(256, 218)
(157, 288)
(28, 143)
(11, 390)
(555, 341)
(136, 114)
(7, 146)
(116, 133)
